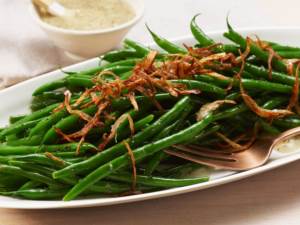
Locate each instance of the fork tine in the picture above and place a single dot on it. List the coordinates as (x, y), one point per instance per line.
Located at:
(205, 153)
(203, 149)
(215, 163)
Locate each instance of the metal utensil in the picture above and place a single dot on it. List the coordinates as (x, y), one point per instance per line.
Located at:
(255, 156)
(52, 7)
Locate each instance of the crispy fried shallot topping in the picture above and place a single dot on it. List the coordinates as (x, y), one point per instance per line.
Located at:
(264, 113)
(131, 155)
(210, 107)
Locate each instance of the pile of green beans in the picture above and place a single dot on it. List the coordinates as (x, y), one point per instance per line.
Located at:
(37, 163)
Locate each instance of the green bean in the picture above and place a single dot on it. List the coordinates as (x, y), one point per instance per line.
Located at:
(13, 119)
(117, 55)
(231, 112)
(42, 193)
(121, 102)
(37, 194)
(45, 124)
(202, 86)
(139, 154)
(254, 49)
(248, 84)
(124, 131)
(45, 99)
(157, 157)
(19, 127)
(119, 70)
(205, 41)
(50, 86)
(109, 66)
(264, 73)
(269, 128)
(244, 74)
(167, 131)
(274, 102)
(154, 161)
(207, 132)
(58, 117)
(11, 182)
(29, 141)
(165, 44)
(229, 48)
(80, 81)
(289, 54)
(29, 185)
(28, 166)
(139, 48)
(4, 159)
(118, 149)
(99, 187)
(182, 170)
(233, 96)
(287, 123)
(34, 116)
(41, 159)
(66, 124)
(280, 47)
(37, 114)
(126, 75)
(87, 82)
(157, 181)
(199, 35)
(13, 170)
(23, 150)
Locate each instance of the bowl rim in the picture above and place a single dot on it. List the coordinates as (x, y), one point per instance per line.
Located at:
(139, 13)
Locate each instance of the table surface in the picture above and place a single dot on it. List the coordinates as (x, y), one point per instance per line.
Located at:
(269, 198)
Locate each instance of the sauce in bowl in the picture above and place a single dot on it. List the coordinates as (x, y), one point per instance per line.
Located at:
(92, 14)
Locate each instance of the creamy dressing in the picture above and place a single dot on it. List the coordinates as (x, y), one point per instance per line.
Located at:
(92, 14)
(289, 146)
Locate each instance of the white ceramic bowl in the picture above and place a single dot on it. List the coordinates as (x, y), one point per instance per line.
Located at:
(87, 44)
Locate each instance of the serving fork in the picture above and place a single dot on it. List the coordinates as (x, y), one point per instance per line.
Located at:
(255, 156)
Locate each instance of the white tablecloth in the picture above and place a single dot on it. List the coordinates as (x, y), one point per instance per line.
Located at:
(272, 198)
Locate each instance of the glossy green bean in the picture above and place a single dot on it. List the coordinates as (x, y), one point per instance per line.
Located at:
(14, 129)
(199, 35)
(250, 84)
(202, 86)
(264, 73)
(28, 141)
(165, 44)
(23, 150)
(124, 131)
(254, 49)
(139, 154)
(118, 149)
(13, 170)
(289, 54)
(157, 181)
(29, 185)
(13, 119)
(37, 193)
(66, 124)
(50, 86)
(155, 160)
(117, 55)
(109, 66)
(142, 50)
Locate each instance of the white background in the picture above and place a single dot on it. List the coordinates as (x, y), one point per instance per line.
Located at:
(272, 198)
